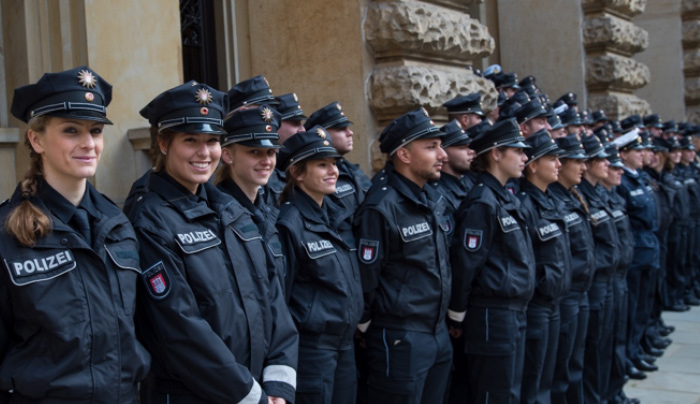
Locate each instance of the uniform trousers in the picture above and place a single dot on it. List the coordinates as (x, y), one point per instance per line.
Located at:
(639, 284)
(326, 376)
(541, 340)
(408, 367)
(567, 386)
(598, 355)
(676, 262)
(495, 348)
(618, 370)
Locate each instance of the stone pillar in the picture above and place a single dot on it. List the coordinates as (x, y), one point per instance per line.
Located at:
(664, 57)
(421, 51)
(690, 15)
(611, 39)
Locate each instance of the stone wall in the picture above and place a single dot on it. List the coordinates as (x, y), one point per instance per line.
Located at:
(690, 16)
(421, 50)
(611, 39)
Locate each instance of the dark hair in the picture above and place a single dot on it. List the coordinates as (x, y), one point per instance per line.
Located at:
(481, 163)
(157, 157)
(288, 191)
(27, 222)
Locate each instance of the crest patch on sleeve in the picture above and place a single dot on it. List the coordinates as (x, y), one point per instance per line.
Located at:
(472, 239)
(157, 281)
(369, 249)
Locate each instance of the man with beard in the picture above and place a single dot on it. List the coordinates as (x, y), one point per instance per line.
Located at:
(406, 276)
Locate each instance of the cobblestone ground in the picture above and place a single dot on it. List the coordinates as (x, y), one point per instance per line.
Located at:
(678, 378)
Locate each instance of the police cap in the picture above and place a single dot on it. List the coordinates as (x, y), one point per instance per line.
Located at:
(313, 144)
(569, 99)
(77, 93)
(454, 135)
(255, 127)
(531, 110)
(289, 108)
(255, 90)
(570, 117)
(599, 116)
(191, 107)
(572, 147)
(629, 141)
(541, 144)
(465, 104)
(503, 133)
(407, 128)
(653, 120)
(632, 121)
(593, 147)
(330, 116)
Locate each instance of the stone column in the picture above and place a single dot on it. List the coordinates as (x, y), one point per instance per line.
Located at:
(421, 50)
(611, 39)
(690, 15)
(664, 57)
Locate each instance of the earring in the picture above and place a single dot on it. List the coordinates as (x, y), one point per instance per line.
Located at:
(163, 152)
(534, 171)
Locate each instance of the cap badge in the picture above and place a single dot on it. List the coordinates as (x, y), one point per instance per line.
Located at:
(266, 114)
(326, 143)
(89, 96)
(204, 111)
(268, 128)
(267, 83)
(87, 79)
(203, 96)
(425, 112)
(321, 133)
(337, 105)
(296, 99)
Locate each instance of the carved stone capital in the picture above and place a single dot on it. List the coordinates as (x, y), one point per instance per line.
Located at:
(396, 90)
(627, 8)
(607, 32)
(691, 34)
(615, 72)
(618, 106)
(417, 30)
(690, 8)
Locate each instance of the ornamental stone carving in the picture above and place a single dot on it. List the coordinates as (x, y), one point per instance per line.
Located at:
(420, 30)
(691, 62)
(628, 8)
(398, 89)
(618, 106)
(693, 115)
(607, 32)
(615, 72)
(691, 33)
(692, 89)
(690, 6)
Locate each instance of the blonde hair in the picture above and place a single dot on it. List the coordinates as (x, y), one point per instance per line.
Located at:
(27, 222)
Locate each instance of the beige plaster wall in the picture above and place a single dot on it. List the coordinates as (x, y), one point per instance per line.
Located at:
(548, 43)
(135, 45)
(315, 48)
(664, 57)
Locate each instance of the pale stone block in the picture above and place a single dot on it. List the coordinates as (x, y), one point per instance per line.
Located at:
(398, 89)
(615, 72)
(418, 29)
(619, 106)
(628, 8)
(608, 32)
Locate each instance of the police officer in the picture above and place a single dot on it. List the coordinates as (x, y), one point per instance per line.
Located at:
(494, 269)
(211, 312)
(691, 179)
(618, 369)
(68, 291)
(598, 352)
(406, 277)
(641, 208)
(352, 182)
(324, 289)
(466, 109)
(574, 310)
(291, 121)
(249, 155)
(532, 117)
(547, 228)
(250, 93)
(572, 121)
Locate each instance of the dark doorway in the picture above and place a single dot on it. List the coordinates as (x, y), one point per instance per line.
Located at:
(199, 41)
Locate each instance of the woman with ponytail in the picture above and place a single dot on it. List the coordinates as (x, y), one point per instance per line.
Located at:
(71, 257)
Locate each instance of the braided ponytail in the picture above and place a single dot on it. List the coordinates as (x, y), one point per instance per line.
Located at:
(578, 196)
(27, 222)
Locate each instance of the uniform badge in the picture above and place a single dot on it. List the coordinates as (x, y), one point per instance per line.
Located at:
(157, 281)
(87, 79)
(89, 96)
(203, 96)
(268, 128)
(425, 112)
(266, 114)
(368, 250)
(204, 111)
(296, 99)
(472, 239)
(321, 133)
(337, 105)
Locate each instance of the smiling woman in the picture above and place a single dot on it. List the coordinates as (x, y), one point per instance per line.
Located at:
(69, 251)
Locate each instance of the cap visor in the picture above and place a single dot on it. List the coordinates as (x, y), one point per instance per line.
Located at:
(81, 114)
(199, 128)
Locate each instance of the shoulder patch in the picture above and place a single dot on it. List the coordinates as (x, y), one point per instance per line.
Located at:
(472, 239)
(369, 250)
(40, 266)
(157, 281)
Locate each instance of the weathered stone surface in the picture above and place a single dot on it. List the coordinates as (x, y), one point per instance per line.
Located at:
(608, 32)
(629, 8)
(693, 115)
(691, 33)
(690, 6)
(398, 89)
(692, 90)
(691, 61)
(618, 106)
(423, 30)
(615, 72)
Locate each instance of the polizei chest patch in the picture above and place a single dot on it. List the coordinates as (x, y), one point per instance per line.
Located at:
(40, 266)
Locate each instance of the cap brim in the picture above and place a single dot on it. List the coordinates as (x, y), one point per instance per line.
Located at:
(577, 155)
(198, 128)
(516, 145)
(340, 125)
(261, 143)
(81, 114)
